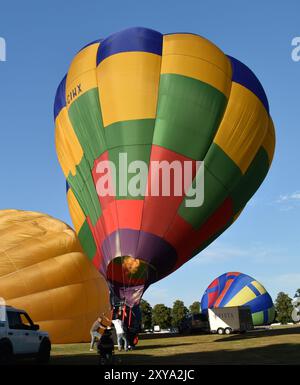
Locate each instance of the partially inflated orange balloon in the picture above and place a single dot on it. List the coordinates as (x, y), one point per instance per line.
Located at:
(43, 271)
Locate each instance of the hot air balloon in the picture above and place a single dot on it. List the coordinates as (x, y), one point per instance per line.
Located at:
(237, 289)
(44, 271)
(171, 99)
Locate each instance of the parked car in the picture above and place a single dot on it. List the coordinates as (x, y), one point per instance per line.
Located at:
(196, 322)
(20, 337)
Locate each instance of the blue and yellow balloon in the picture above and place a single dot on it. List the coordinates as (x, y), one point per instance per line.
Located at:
(238, 289)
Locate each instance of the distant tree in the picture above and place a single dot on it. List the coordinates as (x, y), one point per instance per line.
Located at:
(195, 307)
(284, 307)
(297, 294)
(146, 311)
(179, 311)
(161, 315)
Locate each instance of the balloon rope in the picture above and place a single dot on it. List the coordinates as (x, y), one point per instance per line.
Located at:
(130, 313)
(123, 278)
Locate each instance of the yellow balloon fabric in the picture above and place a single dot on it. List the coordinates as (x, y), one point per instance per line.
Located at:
(44, 271)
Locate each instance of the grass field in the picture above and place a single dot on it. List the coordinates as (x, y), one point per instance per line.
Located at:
(280, 345)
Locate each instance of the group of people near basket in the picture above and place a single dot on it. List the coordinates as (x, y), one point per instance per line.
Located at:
(120, 329)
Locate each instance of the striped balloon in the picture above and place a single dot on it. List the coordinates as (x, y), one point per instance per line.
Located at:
(174, 97)
(237, 289)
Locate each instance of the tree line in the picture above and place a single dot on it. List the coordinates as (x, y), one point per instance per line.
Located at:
(164, 316)
(167, 317)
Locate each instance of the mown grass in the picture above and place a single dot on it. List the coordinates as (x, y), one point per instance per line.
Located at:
(280, 345)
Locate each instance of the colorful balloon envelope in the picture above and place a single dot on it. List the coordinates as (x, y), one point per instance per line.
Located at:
(157, 98)
(237, 289)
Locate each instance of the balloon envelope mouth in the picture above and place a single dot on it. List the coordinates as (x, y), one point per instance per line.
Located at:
(127, 271)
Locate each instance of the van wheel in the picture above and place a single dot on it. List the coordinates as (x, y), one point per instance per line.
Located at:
(220, 331)
(6, 353)
(43, 356)
(228, 331)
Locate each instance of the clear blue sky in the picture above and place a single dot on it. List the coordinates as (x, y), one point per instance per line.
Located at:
(43, 36)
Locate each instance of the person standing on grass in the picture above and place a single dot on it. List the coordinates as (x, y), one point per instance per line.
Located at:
(95, 330)
(121, 335)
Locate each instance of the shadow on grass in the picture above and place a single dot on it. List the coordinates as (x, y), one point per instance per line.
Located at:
(260, 334)
(144, 347)
(280, 354)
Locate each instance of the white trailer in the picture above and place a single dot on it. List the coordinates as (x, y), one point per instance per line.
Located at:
(227, 320)
(296, 309)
